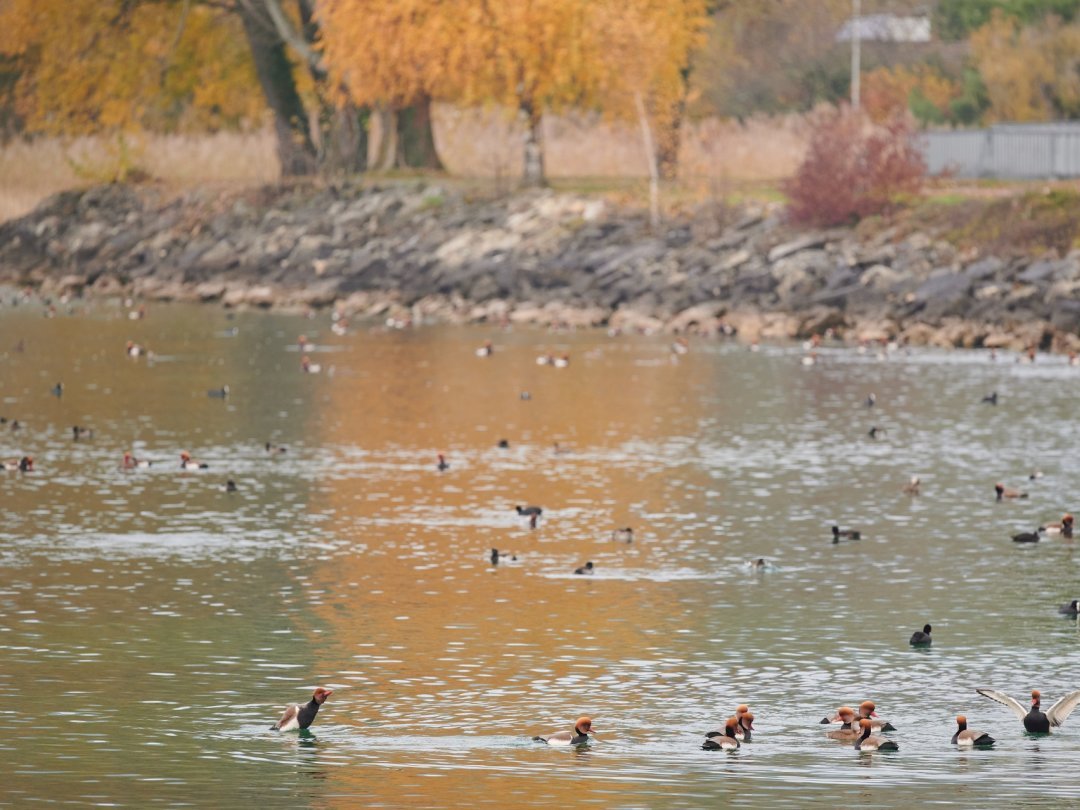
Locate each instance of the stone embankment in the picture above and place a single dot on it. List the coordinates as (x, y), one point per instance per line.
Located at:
(422, 253)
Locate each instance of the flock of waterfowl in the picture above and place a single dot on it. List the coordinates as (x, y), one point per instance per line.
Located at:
(862, 729)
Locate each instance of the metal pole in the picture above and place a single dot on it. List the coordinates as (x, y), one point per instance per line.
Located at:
(856, 48)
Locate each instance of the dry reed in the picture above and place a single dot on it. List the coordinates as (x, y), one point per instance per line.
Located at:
(481, 143)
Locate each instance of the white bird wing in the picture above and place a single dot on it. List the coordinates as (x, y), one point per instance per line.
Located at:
(1062, 708)
(1011, 703)
(289, 719)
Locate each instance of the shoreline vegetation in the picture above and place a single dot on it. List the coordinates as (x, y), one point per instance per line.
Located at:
(989, 271)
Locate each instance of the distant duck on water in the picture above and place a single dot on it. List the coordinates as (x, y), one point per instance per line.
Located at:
(587, 568)
(275, 449)
(580, 735)
(442, 466)
(868, 742)
(623, 535)
(218, 393)
(132, 463)
(308, 367)
(967, 737)
(912, 487)
(531, 512)
(24, 464)
(188, 463)
(846, 534)
(991, 398)
(921, 638)
(497, 555)
(1026, 537)
(486, 350)
(1065, 528)
(1004, 492)
(725, 741)
(1070, 608)
(78, 433)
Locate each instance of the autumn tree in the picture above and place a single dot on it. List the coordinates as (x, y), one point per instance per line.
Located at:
(1031, 73)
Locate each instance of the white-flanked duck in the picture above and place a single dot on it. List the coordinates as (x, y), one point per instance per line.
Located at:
(1070, 608)
(24, 464)
(1065, 528)
(275, 449)
(545, 360)
(297, 716)
(1008, 492)
(561, 362)
(966, 737)
(497, 555)
(132, 463)
(78, 433)
(486, 350)
(726, 741)
(1034, 719)
(134, 349)
(586, 569)
(846, 534)
(743, 727)
(921, 638)
(580, 735)
(869, 742)
(308, 367)
(625, 535)
(188, 463)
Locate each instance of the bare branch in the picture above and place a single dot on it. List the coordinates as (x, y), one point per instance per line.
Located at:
(292, 37)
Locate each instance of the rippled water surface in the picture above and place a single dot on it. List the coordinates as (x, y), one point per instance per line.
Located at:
(152, 626)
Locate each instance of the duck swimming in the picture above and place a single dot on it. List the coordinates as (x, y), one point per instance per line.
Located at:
(743, 726)
(531, 512)
(188, 463)
(921, 638)
(1026, 537)
(1065, 528)
(1070, 608)
(1035, 720)
(579, 736)
(1008, 492)
(912, 487)
(131, 463)
(623, 535)
(274, 448)
(218, 393)
(967, 737)
(587, 568)
(723, 742)
(866, 742)
(297, 716)
(486, 350)
(847, 731)
(81, 433)
(442, 465)
(24, 464)
(308, 367)
(847, 534)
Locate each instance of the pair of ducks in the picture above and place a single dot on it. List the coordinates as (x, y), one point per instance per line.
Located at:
(862, 733)
(1063, 529)
(738, 728)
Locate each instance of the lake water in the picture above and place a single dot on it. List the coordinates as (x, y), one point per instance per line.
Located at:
(152, 626)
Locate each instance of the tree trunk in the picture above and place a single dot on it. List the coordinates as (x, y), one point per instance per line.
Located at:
(533, 174)
(296, 151)
(383, 147)
(415, 138)
(670, 139)
(343, 140)
(651, 156)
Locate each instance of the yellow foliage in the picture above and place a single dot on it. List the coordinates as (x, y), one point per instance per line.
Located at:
(1031, 74)
(100, 65)
(533, 55)
(885, 91)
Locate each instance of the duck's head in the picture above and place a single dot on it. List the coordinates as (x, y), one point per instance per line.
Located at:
(747, 721)
(185, 455)
(999, 488)
(741, 709)
(321, 694)
(927, 629)
(1067, 519)
(865, 725)
(961, 721)
(583, 726)
(730, 726)
(866, 708)
(1036, 697)
(846, 714)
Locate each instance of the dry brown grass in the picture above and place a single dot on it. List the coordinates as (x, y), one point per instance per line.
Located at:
(480, 143)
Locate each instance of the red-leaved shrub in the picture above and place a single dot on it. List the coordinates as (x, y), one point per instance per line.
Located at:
(854, 169)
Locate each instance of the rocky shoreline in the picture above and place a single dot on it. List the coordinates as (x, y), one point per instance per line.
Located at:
(418, 253)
